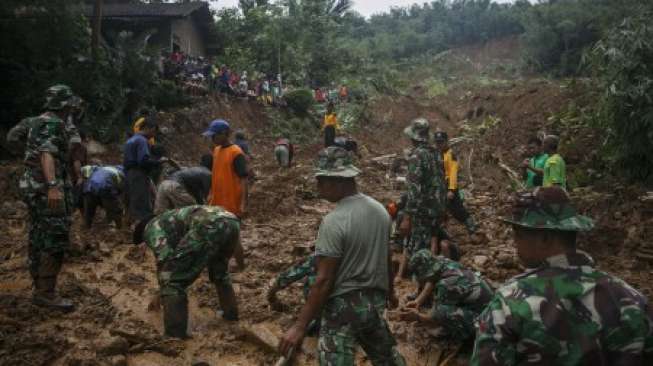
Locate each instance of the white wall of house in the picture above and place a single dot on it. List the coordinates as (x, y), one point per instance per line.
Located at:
(188, 36)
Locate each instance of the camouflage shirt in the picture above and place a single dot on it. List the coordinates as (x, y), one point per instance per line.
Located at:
(454, 285)
(425, 183)
(186, 231)
(45, 133)
(565, 312)
(304, 269)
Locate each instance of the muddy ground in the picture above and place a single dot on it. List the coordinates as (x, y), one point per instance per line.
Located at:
(113, 282)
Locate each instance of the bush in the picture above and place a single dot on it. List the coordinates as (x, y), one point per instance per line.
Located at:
(622, 62)
(300, 101)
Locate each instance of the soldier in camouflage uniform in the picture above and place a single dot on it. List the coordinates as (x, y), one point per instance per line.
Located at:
(426, 201)
(459, 295)
(353, 283)
(46, 186)
(304, 270)
(562, 311)
(184, 242)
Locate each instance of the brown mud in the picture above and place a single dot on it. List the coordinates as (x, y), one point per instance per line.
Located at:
(113, 283)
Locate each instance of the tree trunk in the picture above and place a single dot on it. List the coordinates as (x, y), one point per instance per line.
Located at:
(97, 29)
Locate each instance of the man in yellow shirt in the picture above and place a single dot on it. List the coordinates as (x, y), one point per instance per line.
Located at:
(330, 126)
(455, 205)
(555, 173)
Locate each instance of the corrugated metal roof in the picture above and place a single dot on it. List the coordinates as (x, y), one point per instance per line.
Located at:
(147, 10)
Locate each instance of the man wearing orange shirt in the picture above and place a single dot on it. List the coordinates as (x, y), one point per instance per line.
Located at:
(228, 176)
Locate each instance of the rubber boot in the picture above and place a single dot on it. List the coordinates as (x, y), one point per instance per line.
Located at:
(45, 295)
(175, 316)
(228, 302)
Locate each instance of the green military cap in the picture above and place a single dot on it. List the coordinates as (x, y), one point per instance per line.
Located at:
(335, 162)
(424, 265)
(418, 130)
(548, 209)
(59, 96)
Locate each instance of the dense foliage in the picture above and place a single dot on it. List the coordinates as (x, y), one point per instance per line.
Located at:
(622, 62)
(44, 42)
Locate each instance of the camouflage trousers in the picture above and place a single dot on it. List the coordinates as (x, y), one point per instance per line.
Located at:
(356, 318)
(49, 231)
(422, 229)
(457, 321)
(175, 275)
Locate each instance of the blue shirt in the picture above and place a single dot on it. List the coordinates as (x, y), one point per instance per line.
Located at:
(137, 152)
(107, 180)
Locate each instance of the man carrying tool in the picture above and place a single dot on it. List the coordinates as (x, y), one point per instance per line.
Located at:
(458, 295)
(561, 311)
(184, 242)
(455, 204)
(354, 279)
(46, 189)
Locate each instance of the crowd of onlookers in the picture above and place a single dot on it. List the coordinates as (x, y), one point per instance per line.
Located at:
(200, 76)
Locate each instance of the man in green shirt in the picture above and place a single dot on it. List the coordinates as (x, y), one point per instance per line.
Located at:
(354, 280)
(555, 167)
(534, 166)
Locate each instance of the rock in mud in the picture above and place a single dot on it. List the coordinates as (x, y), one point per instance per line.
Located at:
(480, 260)
(112, 346)
(118, 360)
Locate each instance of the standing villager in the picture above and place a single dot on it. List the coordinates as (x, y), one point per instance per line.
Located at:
(184, 242)
(561, 311)
(455, 204)
(330, 125)
(46, 189)
(284, 152)
(103, 186)
(555, 168)
(458, 295)
(533, 167)
(229, 179)
(185, 187)
(230, 174)
(354, 280)
(138, 163)
(426, 193)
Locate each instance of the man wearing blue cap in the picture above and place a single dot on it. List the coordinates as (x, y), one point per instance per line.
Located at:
(229, 173)
(228, 176)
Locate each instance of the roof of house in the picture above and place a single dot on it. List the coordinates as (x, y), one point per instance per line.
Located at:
(142, 10)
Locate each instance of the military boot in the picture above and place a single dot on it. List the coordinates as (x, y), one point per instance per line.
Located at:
(175, 316)
(46, 282)
(228, 301)
(45, 295)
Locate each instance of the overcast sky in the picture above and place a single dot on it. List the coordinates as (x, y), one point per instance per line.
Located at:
(365, 7)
